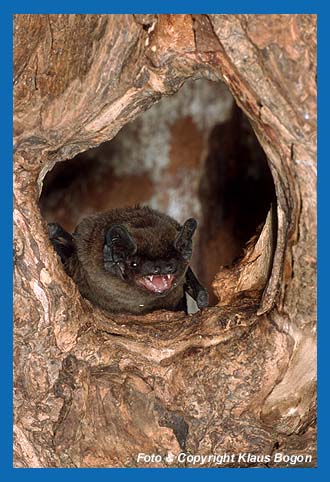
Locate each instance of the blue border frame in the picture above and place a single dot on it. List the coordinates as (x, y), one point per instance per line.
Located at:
(205, 6)
(171, 6)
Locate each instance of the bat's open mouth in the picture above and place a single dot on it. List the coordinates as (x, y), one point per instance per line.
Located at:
(157, 283)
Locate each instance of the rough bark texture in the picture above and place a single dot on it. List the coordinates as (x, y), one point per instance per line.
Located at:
(93, 390)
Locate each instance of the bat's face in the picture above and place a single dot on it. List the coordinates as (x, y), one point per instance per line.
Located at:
(124, 258)
(156, 276)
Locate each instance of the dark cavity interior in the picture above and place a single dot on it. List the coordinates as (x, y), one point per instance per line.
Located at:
(193, 154)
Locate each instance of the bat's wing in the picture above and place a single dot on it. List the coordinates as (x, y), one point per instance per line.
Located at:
(61, 240)
(196, 290)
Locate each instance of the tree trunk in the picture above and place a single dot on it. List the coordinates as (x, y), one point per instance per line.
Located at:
(95, 390)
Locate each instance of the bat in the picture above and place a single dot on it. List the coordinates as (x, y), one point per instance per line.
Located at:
(131, 260)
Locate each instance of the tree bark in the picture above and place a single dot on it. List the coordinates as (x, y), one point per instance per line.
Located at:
(95, 390)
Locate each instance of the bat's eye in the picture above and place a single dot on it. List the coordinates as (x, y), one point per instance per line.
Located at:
(133, 264)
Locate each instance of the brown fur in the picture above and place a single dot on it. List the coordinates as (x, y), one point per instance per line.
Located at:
(154, 234)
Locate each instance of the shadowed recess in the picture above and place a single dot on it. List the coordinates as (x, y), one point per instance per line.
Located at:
(192, 154)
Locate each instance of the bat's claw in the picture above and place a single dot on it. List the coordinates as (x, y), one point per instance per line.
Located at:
(202, 299)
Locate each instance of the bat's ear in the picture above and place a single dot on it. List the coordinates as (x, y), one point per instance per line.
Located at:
(183, 242)
(118, 245)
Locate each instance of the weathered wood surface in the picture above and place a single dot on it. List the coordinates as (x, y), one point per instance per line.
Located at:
(93, 390)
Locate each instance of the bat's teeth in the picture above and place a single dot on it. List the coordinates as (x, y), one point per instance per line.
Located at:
(168, 276)
(151, 277)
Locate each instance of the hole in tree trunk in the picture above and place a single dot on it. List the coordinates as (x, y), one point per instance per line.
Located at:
(193, 154)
